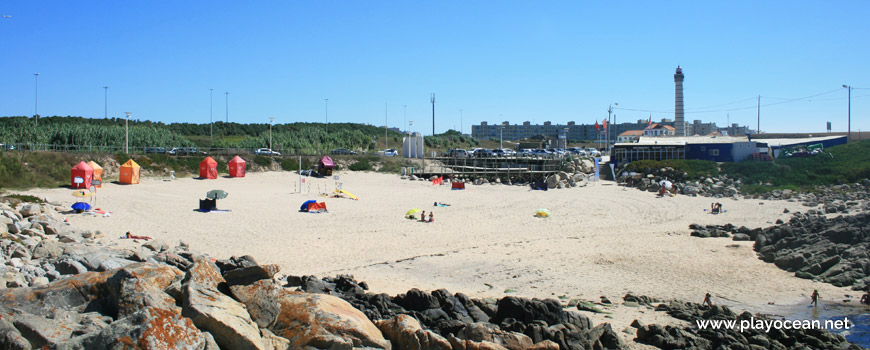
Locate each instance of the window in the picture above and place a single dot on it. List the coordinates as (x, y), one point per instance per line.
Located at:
(714, 152)
(703, 148)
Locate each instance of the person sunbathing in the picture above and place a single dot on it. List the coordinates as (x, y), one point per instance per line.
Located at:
(131, 236)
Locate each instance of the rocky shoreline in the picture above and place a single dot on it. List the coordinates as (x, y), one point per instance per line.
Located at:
(68, 289)
(813, 246)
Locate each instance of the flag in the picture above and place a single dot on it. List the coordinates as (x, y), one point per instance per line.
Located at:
(649, 122)
(596, 125)
(604, 124)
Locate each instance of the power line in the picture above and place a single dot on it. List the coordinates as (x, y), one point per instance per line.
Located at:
(696, 111)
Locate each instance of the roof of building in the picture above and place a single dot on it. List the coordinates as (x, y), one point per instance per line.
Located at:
(794, 141)
(632, 133)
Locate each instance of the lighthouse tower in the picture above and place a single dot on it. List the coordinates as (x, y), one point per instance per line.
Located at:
(679, 118)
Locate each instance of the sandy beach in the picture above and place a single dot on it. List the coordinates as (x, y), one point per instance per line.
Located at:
(602, 240)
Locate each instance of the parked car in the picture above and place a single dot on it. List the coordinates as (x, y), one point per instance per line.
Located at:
(541, 152)
(267, 152)
(526, 152)
(391, 153)
(6, 147)
(483, 152)
(498, 152)
(577, 151)
(159, 150)
(342, 151)
(593, 152)
(456, 153)
(509, 152)
(187, 151)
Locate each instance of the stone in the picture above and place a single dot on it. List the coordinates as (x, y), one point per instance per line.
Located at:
(41, 332)
(47, 249)
(149, 328)
(70, 237)
(480, 332)
(29, 210)
(10, 337)
(69, 266)
(462, 344)
(248, 275)
(306, 319)
(156, 245)
(141, 285)
(405, 333)
(226, 319)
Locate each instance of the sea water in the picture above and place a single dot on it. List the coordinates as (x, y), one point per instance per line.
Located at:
(858, 316)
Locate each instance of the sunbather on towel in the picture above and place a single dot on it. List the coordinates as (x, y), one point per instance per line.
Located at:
(131, 236)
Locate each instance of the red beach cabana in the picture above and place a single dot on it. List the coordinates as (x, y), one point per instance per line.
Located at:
(208, 168)
(84, 173)
(236, 167)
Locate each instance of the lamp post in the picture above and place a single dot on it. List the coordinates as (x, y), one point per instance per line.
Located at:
(271, 120)
(849, 113)
(500, 137)
(107, 102)
(210, 113)
(36, 99)
(607, 132)
(411, 143)
(127, 133)
(326, 104)
(460, 122)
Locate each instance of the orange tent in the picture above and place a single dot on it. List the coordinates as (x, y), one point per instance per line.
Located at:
(98, 172)
(83, 173)
(130, 172)
(237, 167)
(208, 168)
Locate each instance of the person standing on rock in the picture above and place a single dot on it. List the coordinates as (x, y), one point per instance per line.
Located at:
(707, 300)
(815, 298)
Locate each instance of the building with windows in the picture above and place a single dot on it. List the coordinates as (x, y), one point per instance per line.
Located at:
(629, 136)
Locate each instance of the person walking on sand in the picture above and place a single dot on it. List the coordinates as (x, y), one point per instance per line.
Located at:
(815, 298)
(707, 300)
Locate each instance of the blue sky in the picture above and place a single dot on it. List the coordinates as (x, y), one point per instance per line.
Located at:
(497, 61)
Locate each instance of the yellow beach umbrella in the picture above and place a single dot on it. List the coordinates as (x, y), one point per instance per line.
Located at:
(410, 213)
(82, 193)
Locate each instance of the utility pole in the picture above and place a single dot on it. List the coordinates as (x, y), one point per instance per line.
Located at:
(849, 114)
(758, 122)
(211, 113)
(271, 120)
(127, 133)
(228, 106)
(36, 100)
(386, 135)
(433, 114)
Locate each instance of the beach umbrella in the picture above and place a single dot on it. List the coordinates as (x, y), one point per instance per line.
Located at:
(411, 212)
(542, 213)
(216, 194)
(81, 206)
(82, 193)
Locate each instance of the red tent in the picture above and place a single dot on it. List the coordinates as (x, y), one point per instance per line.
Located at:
(208, 168)
(325, 166)
(84, 173)
(237, 167)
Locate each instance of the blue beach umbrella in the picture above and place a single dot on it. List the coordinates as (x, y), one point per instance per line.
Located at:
(81, 206)
(304, 206)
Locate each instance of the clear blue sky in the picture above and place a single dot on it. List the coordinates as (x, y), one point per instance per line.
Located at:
(496, 60)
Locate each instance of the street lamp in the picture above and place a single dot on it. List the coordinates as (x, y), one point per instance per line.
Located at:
(36, 99)
(849, 113)
(127, 133)
(607, 132)
(500, 137)
(271, 119)
(210, 113)
(107, 102)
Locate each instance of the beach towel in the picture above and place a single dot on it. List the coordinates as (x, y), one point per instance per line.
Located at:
(457, 186)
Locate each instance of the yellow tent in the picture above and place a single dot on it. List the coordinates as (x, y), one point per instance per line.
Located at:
(346, 193)
(130, 172)
(98, 172)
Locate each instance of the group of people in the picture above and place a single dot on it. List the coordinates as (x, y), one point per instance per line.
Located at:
(666, 186)
(423, 217)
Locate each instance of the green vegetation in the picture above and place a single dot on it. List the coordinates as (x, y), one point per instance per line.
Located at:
(693, 168)
(38, 169)
(363, 164)
(837, 165)
(448, 140)
(23, 198)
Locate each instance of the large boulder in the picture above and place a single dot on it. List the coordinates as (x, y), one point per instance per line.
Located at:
(305, 319)
(405, 333)
(226, 319)
(149, 328)
(489, 332)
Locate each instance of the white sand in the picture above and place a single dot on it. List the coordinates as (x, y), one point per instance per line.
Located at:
(602, 240)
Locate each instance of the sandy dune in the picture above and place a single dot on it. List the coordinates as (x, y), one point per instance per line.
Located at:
(602, 240)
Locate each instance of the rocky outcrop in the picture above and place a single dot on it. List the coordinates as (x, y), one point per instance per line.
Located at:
(811, 245)
(693, 337)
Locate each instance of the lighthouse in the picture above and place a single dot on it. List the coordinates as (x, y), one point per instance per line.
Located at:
(679, 121)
